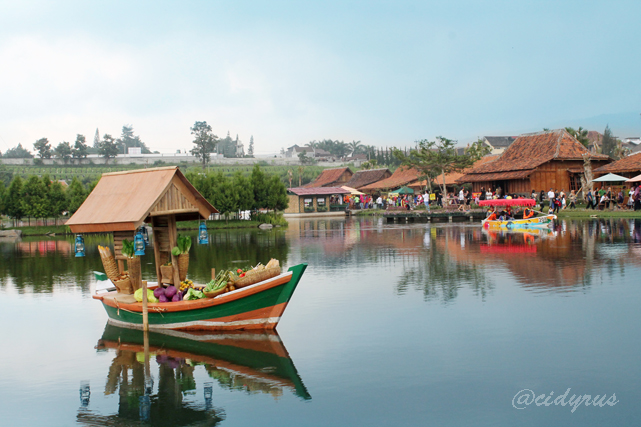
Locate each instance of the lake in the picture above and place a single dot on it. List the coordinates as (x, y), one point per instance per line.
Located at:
(391, 325)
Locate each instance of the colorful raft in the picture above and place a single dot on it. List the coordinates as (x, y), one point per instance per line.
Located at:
(534, 222)
(258, 306)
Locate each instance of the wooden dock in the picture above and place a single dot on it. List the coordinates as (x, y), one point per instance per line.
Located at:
(436, 215)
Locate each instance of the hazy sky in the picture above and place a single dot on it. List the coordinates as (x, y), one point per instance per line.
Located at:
(384, 73)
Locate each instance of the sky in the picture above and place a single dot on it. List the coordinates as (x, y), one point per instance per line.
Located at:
(289, 72)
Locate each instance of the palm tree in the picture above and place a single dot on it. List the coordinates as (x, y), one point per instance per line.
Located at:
(580, 134)
(355, 146)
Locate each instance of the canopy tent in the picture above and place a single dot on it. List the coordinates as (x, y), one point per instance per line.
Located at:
(352, 191)
(403, 190)
(635, 179)
(508, 202)
(611, 177)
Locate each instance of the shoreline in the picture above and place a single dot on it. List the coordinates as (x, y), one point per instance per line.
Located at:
(63, 230)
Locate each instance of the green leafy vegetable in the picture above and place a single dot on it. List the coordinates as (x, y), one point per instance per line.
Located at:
(128, 248)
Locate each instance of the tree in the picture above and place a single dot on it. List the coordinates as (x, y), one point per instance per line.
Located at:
(355, 146)
(18, 152)
(205, 142)
(13, 200)
(128, 140)
(440, 157)
(96, 140)
(580, 134)
(3, 195)
(243, 188)
(608, 143)
(63, 151)
(79, 148)
(108, 147)
(5, 176)
(304, 158)
(620, 151)
(58, 202)
(43, 148)
(76, 195)
(250, 150)
(276, 194)
(34, 198)
(259, 186)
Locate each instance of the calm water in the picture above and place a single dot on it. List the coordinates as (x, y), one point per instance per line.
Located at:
(392, 325)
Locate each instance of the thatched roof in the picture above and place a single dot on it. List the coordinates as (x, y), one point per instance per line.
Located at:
(365, 177)
(122, 201)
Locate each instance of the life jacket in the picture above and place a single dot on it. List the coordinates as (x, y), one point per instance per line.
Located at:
(528, 214)
(492, 217)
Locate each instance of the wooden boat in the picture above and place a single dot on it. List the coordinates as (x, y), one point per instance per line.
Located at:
(258, 360)
(258, 306)
(534, 222)
(121, 203)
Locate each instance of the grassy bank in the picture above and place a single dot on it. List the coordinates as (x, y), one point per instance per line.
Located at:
(48, 230)
(588, 213)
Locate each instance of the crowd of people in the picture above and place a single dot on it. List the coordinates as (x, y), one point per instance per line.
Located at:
(600, 198)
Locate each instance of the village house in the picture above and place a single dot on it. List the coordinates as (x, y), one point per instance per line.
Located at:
(401, 176)
(498, 144)
(367, 176)
(451, 179)
(334, 177)
(312, 200)
(629, 166)
(537, 161)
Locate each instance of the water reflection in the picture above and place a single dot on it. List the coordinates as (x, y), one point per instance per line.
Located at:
(247, 362)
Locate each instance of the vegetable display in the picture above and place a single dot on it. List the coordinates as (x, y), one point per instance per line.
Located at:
(183, 244)
(150, 295)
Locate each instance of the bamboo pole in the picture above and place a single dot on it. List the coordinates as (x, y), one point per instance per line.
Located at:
(145, 311)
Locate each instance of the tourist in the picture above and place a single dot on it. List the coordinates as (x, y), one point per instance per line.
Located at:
(533, 195)
(379, 202)
(491, 215)
(482, 194)
(589, 198)
(563, 201)
(551, 198)
(631, 197)
(619, 202)
(488, 194)
(572, 199)
(637, 198)
(541, 199)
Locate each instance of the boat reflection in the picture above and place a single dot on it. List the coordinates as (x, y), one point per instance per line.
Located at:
(243, 361)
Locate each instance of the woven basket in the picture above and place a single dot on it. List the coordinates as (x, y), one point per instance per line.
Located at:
(108, 261)
(167, 273)
(135, 274)
(215, 293)
(183, 266)
(124, 286)
(253, 276)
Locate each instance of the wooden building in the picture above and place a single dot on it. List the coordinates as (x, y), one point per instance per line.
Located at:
(537, 161)
(451, 179)
(123, 201)
(315, 199)
(629, 166)
(334, 177)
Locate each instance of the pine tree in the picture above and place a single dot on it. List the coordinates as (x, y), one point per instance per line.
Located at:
(250, 150)
(608, 143)
(96, 140)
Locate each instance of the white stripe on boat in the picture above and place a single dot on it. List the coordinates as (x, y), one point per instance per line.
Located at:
(207, 323)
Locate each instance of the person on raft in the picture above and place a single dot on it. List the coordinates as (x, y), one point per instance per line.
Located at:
(491, 215)
(528, 213)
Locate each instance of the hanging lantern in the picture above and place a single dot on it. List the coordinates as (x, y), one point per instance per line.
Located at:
(145, 234)
(203, 237)
(80, 246)
(139, 244)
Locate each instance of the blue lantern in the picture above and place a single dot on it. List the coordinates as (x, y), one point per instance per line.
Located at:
(139, 244)
(145, 234)
(80, 246)
(203, 237)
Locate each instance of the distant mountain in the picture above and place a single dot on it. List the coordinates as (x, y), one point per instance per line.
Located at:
(623, 125)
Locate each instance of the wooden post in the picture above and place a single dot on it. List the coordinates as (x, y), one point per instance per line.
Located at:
(213, 273)
(145, 312)
(156, 238)
(173, 234)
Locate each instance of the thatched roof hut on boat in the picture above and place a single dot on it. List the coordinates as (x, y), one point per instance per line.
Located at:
(122, 201)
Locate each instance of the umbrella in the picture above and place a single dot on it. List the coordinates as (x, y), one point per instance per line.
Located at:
(403, 190)
(507, 202)
(352, 191)
(610, 178)
(635, 179)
